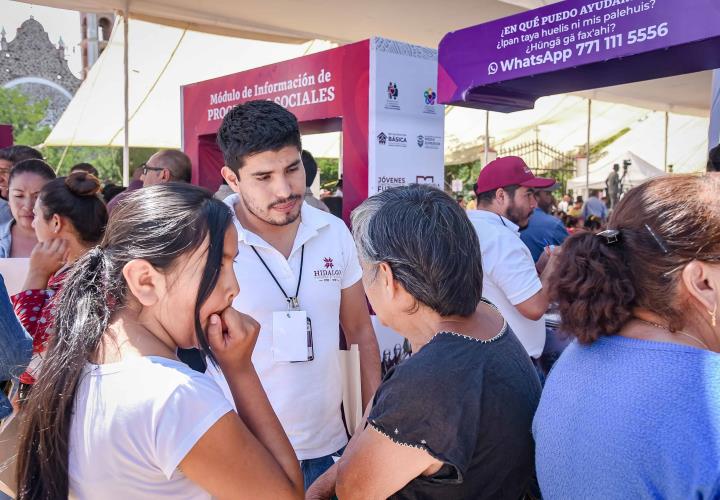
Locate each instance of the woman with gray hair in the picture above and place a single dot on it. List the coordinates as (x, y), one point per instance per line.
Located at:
(454, 420)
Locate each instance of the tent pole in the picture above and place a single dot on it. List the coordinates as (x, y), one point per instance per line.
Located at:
(587, 150)
(667, 125)
(487, 137)
(126, 88)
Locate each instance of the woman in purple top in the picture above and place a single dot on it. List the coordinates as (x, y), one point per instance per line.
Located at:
(632, 408)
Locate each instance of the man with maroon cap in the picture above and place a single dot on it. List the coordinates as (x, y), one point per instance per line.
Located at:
(505, 201)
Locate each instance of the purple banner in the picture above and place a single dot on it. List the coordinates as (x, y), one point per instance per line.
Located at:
(570, 35)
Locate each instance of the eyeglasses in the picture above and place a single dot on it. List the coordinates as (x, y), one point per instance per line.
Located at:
(146, 168)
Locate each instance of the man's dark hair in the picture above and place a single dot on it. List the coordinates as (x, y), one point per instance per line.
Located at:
(85, 167)
(256, 127)
(713, 164)
(616, 167)
(488, 196)
(310, 167)
(16, 154)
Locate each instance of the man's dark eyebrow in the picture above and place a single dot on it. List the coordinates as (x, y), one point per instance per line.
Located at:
(260, 174)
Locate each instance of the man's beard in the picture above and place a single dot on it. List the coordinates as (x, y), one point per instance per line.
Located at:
(517, 215)
(289, 218)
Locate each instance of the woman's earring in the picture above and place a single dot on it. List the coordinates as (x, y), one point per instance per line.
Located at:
(713, 318)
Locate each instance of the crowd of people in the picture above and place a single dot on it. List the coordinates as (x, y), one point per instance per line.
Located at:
(177, 343)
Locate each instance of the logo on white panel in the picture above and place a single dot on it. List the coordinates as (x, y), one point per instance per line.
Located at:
(393, 96)
(425, 179)
(392, 140)
(429, 141)
(430, 98)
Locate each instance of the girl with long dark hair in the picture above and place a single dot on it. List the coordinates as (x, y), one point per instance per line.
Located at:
(114, 413)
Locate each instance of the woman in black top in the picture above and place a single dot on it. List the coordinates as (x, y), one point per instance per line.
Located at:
(454, 420)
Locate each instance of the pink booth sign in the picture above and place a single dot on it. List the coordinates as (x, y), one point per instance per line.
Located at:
(6, 136)
(327, 91)
(379, 93)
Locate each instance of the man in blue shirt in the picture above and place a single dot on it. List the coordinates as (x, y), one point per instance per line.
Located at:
(594, 206)
(543, 229)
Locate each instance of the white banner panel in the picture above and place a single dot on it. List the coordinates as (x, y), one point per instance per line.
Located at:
(714, 132)
(406, 124)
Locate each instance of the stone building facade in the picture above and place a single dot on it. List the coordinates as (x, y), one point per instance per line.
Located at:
(32, 63)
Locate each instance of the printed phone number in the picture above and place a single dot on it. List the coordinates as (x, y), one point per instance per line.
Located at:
(639, 35)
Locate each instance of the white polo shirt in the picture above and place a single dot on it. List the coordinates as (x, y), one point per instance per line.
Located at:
(509, 275)
(306, 396)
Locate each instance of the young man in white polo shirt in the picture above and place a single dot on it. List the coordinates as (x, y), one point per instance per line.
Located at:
(299, 277)
(505, 201)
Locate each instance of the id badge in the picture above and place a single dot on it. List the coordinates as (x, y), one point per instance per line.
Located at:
(292, 336)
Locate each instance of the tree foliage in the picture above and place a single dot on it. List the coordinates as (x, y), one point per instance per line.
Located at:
(26, 115)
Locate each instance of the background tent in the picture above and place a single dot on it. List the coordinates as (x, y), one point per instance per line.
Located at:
(284, 20)
(638, 172)
(561, 122)
(162, 58)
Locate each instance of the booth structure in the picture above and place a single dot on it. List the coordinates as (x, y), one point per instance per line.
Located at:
(380, 94)
(6, 136)
(507, 64)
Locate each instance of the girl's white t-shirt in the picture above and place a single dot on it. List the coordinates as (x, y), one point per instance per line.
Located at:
(133, 423)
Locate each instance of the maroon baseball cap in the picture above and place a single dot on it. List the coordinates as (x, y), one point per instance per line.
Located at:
(509, 171)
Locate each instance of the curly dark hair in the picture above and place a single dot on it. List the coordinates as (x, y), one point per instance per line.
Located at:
(664, 224)
(255, 127)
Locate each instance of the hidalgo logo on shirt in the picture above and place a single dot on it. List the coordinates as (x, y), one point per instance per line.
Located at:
(327, 271)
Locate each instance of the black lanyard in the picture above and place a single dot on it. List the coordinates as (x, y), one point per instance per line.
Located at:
(292, 301)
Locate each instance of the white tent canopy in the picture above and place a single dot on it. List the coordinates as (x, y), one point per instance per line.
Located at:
(638, 172)
(163, 58)
(561, 122)
(289, 20)
(413, 21)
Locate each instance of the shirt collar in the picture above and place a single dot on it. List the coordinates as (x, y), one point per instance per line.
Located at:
(311, 221)
(499, 220)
